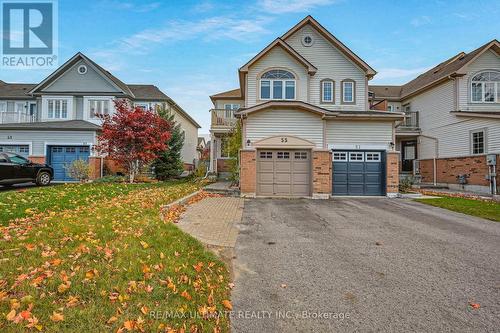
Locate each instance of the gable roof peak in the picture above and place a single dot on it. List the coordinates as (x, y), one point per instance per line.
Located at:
(370, 72)
(71, 62)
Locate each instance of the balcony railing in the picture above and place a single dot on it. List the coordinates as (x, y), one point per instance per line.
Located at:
(410, 121)
(223, 118)
(12, 117)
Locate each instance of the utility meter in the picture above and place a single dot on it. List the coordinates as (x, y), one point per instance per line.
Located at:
(491, 159)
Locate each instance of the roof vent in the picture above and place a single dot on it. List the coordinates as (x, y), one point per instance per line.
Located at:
(82, 69)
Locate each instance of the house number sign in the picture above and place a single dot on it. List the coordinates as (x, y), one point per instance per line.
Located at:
(284, 140)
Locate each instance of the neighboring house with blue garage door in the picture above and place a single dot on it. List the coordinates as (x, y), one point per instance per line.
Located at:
(55, 121)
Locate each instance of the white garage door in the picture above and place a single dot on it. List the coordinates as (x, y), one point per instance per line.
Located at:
(284, 173)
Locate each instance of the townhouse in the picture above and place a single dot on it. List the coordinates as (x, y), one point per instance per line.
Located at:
(56, 121)
(451, 132)
(307, 127)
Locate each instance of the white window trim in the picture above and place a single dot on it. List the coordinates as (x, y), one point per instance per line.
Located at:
(355, 152)
(45, 107)
(4, 104)
(343, 92)
(485, 141)
(86, 106)
(231, 108)
(19, 143)
(340, 152)
(323, 100)
(390, 108)
(47, 144)
(283, 90)
(378, 160)
(482, 101)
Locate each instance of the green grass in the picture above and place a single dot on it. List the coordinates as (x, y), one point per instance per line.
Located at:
(21, 203)
(485, 209)
(121, 261)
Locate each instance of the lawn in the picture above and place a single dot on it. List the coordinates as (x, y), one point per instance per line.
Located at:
(107, 264)
(485, 209)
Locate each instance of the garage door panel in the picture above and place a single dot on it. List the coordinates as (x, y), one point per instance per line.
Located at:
(282, 178)
(356, 167)
(282, 189)
(63, 156)
(373, 167)
(283, 172)
(266, 166)
(265, 177)
(364, 176)
(266, 189)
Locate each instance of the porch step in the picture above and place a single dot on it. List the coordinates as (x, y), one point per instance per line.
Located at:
(224, 176)
(222, 187)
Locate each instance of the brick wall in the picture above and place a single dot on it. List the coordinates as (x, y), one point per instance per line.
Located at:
(95, 167)
(222, 165)
(392, 170)
(112, 167)
(37, 159)
(447, 170)
(322, 173)
(248, 172)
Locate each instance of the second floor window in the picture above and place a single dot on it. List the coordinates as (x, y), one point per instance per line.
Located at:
(229, 109)
(485, 87)
(277, 84)
(57, 109)
(98, 108)
(348, 91)
(327, 91)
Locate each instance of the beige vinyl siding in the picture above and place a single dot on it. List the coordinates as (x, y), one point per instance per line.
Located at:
(434, 106)
(188, 152)
(366, 133)
(306, 125)
(38, 139)
(276, 58)
(454, 139)
(72, 81)
(220, 104)
(331, 64)
(488, 60)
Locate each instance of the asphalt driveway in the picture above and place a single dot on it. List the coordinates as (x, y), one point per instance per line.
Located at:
(364, 265)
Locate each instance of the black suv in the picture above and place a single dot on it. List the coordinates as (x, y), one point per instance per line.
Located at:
(15, 169)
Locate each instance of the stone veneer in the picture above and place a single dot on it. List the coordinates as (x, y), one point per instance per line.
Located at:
(321, 174)
(392, 173)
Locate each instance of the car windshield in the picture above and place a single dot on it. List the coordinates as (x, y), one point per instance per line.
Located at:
(17, 159)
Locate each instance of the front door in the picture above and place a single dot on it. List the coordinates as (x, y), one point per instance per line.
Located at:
(408, 155)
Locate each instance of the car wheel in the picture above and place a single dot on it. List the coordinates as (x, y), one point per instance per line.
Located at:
(43, 179)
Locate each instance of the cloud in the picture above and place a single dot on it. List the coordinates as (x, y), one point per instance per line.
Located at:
(208, 29)
(203, 7)
(399, 73)
(138, 8)
(292, 6)
(420, 21)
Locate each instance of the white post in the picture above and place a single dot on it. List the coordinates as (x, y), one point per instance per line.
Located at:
(212, 143)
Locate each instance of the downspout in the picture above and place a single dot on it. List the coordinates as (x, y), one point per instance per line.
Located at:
(436, 155)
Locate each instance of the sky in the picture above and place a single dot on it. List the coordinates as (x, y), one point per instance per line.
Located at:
(193, 49)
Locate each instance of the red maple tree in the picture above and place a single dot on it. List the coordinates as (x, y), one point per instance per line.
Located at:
(133, 136)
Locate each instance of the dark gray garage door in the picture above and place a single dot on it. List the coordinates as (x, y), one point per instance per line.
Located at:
(358, 173)
(284, 173)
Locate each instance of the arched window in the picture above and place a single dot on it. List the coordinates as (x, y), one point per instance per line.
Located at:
(485, 87)
(277, 84)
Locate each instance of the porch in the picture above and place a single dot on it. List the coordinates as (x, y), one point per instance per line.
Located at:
(12, 112)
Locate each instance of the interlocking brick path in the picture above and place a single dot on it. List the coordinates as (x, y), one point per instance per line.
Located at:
(213, 220)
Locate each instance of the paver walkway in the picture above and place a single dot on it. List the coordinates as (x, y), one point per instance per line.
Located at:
(213, 220)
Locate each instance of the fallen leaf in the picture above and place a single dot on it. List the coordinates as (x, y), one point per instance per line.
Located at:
(11, 315)
(25, 314)
(56, 316)
(144, 244)
(129, 325)
(283, 285)
(63, 287)
(198, 266)
(186, 295)
(144, 309)
(227, 304)
(112, 320)
(475, 305)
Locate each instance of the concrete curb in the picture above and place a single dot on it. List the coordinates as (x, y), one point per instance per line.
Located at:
(180, 201)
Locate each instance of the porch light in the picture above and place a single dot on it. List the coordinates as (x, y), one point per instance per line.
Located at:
(248, 142)
(391, 145)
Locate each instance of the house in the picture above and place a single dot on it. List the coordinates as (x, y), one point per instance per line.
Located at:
(452, 119)
(307, 127)
(202, 145)
(55, 121)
